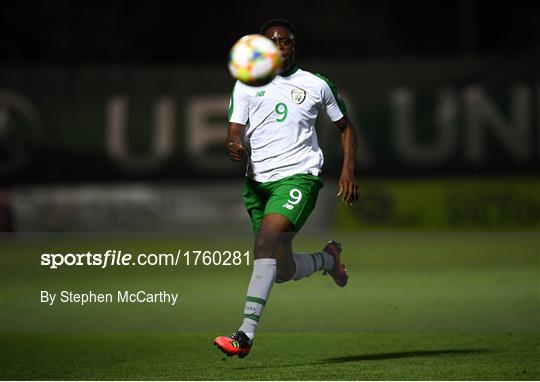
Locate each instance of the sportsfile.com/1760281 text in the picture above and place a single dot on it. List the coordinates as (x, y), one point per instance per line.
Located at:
(114, 257)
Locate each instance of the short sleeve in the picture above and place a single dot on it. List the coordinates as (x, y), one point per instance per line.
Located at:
(238, 106)
(332, 102)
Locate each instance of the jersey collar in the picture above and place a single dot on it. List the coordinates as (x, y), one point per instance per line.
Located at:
(293, 69)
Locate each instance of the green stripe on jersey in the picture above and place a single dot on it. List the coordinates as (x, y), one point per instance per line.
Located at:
(256, 300)
(340, 102)
(231, 104)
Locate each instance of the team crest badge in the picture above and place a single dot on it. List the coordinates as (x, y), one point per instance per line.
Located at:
(298, 95)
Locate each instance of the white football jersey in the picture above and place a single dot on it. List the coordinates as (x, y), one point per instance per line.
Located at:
(280, 134)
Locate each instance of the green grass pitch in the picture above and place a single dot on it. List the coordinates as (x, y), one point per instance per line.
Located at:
(455, 306)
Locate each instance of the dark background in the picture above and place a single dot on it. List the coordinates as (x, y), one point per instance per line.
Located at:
(172, 32)
(61, 63)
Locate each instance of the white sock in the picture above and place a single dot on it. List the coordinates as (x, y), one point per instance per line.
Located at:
(260, 285)
(308, 263)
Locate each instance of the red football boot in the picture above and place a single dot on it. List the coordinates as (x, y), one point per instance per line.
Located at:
(238, 344)
(338, 272)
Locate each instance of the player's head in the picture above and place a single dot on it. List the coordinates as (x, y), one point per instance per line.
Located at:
(283, 33)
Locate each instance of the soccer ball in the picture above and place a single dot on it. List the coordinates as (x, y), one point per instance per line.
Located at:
(254, 60)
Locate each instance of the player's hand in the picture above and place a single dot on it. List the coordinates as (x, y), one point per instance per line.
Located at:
(235, 150)
(348, 189)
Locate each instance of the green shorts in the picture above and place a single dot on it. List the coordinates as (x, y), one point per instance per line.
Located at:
(293, 197)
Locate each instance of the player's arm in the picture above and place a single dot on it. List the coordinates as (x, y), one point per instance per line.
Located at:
(234, 143)
(348, 189)
(238, 117)
(337, 112)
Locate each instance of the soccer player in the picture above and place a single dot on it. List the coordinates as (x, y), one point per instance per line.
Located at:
(275, 125)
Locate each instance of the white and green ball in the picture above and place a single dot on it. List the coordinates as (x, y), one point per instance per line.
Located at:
(254, 60)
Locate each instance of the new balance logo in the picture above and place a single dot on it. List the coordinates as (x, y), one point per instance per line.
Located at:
(288, 206)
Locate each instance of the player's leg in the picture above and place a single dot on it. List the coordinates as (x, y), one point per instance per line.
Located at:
(285, 211)
(296, 266)
(255, 198)
(285, 262)
(295, 197)
(273, 229)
